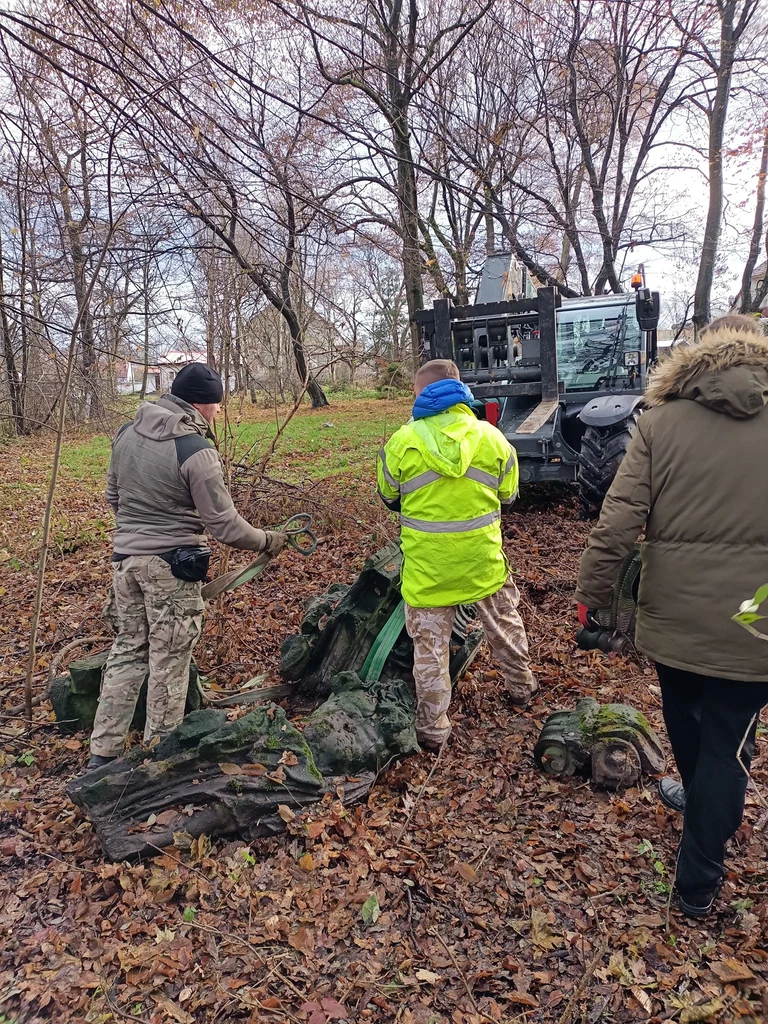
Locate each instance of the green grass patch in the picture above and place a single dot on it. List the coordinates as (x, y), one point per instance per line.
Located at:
(324, 442)
(86, 460)
(344, 437)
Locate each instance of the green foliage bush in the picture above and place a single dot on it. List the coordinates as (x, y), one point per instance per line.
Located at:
(394, 379)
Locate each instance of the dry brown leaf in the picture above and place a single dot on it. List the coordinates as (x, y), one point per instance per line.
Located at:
(731, 970)
(568, 827)
(467, 872)
(648, 920)
(183, 840)
(166, 817)
(704, 1011)
(428, 976)
(288, 757)
(285, 813)
(618, 969)
(307, 862)
(314, 828)
(643, 998)
(172, 1011)
(521, 998)
(278, 775)
(541, 934)
(303, 940)
(314, 1013)
(334, 1009)
(226, 768)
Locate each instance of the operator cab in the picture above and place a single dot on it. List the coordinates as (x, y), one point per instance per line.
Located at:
(551, 373)
(599, 342)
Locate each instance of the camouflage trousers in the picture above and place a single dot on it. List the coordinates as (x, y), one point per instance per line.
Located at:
(159, 620)
(430, 630)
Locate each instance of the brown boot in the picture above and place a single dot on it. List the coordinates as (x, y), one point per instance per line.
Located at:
(433, 746)
(520, 695)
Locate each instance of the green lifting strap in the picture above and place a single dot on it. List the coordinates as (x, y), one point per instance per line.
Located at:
(383, 644)
(235, 577)
(297, 526)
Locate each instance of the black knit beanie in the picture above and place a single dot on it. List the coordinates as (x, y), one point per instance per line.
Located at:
(198, 384)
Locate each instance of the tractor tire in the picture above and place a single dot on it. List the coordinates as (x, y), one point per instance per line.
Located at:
(602, 450)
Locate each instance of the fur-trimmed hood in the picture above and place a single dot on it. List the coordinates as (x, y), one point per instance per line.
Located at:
(727, 372)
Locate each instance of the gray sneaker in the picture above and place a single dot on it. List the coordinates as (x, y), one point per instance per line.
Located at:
(672, 794)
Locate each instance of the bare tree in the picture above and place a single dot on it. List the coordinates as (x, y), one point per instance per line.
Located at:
(574, 172)
(387, 53)
(752, 302)
(729, 22)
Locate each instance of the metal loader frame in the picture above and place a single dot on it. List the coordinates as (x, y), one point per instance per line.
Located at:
(508, 350)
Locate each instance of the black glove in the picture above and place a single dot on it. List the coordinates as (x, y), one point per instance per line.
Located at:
(588, 618)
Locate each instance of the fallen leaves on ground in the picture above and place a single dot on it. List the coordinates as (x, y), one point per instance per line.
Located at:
(491, 906)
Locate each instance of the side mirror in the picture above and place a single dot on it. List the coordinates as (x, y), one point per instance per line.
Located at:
(647, 306)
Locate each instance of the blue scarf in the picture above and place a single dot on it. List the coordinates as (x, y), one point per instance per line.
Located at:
(440, 396)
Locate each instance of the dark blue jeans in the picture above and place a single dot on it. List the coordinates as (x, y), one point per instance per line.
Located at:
(708, 720)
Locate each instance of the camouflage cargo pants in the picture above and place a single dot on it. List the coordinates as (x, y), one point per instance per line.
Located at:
(159, 620)
(430, 630)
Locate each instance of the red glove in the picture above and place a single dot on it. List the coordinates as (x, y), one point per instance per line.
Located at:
(588, 618)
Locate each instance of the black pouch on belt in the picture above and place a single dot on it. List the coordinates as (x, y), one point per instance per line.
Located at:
(189, 564)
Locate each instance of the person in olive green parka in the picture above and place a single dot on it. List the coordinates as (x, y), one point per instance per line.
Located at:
(695, 477)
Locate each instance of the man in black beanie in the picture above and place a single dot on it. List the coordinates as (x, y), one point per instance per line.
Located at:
(166, 486)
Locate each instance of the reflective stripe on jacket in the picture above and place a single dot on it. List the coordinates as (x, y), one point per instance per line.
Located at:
(451, 473)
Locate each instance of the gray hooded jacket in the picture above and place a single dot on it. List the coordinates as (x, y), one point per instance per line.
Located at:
(166, 484)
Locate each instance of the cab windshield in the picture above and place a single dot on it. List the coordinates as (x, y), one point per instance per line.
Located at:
(598, 345)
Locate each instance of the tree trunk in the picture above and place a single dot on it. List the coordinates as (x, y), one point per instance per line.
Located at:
(145, 375)
(285, 305)
(717, 117)
(210, 323)
(88, 357)
(490, 227)
(407, 201)
(310, 383)
(237, 348)
(747, 305)
(15, 387)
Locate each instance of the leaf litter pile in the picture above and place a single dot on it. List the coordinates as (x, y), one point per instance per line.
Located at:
(468, 888)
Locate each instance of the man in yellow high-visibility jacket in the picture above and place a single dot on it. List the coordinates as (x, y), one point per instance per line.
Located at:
(448, 474)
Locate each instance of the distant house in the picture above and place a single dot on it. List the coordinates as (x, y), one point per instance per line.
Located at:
(130, 374)
(757, 279)
(667, 336)
(170, 364)
(128, 377)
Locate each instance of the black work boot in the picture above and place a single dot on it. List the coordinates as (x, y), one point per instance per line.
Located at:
(697, 904)
(97, 761)
(672, 794)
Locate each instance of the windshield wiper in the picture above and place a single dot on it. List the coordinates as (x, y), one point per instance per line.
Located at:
(618, 346)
